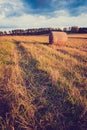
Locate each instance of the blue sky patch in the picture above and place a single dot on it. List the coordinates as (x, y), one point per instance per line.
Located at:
(47, 7)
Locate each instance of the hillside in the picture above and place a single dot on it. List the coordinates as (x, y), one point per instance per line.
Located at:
(43, 87)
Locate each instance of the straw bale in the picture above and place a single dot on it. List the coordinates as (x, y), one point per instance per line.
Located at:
(58, 38)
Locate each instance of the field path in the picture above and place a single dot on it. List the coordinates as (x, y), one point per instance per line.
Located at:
(13, 93)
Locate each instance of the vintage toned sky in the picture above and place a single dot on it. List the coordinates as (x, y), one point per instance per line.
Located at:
(42, 13)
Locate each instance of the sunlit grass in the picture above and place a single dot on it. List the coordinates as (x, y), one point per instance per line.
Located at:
(49, 83)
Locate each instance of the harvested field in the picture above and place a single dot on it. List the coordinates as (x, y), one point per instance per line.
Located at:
(79, 42)
(43, 87)
(78, 36)
(26, 39)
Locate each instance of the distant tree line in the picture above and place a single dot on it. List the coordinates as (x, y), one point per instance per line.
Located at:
(43, 31)
(75, 29)
(38, 31)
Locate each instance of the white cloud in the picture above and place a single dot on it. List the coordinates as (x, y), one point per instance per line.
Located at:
(2, 16)
(8, 17)
(30, 21)
(11, 8)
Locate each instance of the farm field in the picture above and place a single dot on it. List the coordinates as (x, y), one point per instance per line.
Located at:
(42, 86)
(78, 36)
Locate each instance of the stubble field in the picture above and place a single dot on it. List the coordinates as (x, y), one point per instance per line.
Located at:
(42, 86)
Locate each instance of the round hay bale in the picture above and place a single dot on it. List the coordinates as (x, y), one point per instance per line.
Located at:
(58, 38)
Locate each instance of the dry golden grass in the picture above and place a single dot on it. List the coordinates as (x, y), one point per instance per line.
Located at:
(44, 87)
(13, 94)
(26, 39)
(78, 36)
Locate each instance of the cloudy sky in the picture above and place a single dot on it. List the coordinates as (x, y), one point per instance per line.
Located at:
(42, 13)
